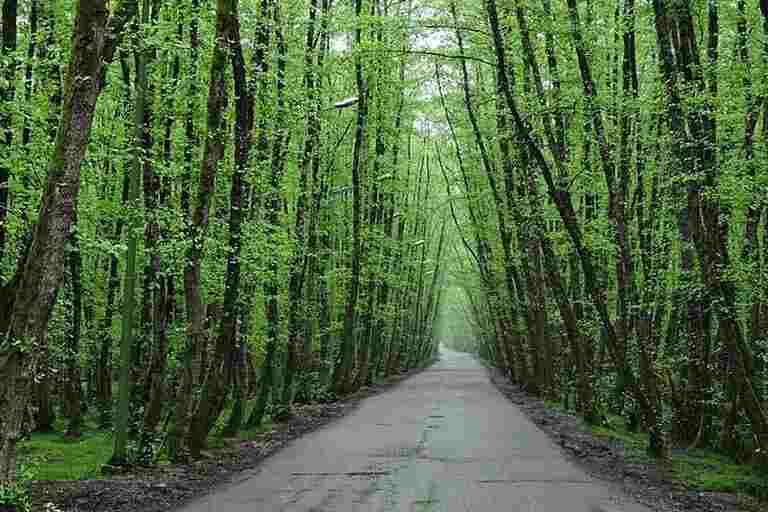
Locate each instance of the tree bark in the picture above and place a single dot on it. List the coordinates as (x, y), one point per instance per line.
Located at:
(314, 275)
(213, 153)
(343, 375)
(128, 346)
(221, 369)
(72, 387)
(274, 204)
(297, 301)
(44, 269)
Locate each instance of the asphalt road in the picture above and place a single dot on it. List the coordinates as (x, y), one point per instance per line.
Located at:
(443, 440)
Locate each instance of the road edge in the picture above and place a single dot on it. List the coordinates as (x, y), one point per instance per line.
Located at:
(605, 460)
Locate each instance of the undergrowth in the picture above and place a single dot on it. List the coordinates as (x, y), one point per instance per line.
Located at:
(53, 456)
(700, 469)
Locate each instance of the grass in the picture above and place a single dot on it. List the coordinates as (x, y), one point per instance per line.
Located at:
(700, 469)
(712, 472)
(51, 456)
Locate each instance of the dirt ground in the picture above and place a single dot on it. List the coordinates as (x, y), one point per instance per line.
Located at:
(606, 460)
(163, 488)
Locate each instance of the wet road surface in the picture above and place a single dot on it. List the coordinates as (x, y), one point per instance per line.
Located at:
(443, 440)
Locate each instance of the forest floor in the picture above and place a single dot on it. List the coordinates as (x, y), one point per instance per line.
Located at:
(163, 487)
(690, 481)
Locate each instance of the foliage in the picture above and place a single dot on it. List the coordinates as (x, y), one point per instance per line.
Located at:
(13, 496)
(243, 255)
(700, 469)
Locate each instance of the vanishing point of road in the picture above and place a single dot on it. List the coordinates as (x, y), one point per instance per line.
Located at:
(443, 440)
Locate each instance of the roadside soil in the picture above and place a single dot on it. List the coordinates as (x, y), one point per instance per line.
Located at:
(607, 460)
(163, 488)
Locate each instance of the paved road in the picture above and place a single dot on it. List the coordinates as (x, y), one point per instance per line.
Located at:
(443, 440)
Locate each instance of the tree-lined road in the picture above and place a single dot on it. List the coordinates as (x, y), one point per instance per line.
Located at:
(444, 440)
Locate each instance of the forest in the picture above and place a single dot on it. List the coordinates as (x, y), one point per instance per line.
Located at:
(212, 212)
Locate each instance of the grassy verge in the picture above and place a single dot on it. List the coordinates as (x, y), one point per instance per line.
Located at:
(698, 469)
(51, 456)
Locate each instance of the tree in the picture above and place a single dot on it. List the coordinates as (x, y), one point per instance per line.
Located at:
(44, 267)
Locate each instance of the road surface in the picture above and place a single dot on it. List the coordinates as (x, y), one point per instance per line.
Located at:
(443, 440)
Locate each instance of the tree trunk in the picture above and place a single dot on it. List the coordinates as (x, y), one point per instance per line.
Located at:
(298, 356)
(273, 206)
(221, 369)
(193, 302)
(314, 276)
(343, 375)
(72, 387)
(44, 269)
(127, 341)
(213, 154)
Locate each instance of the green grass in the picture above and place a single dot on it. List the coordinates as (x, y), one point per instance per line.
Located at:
(700, 469)
(708, 471)
(51, 456)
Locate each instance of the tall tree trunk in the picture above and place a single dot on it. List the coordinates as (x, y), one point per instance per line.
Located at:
(221, 369)
(273, 206)
(72, 386)
(191, 351)
(314, 277)
(239, 195)
(213, 153)
(751, 253)
(155, 316)
(120, 450)
(343, 375)
(44, 268)
(155, 387)
(297, 302)
(104, 376)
